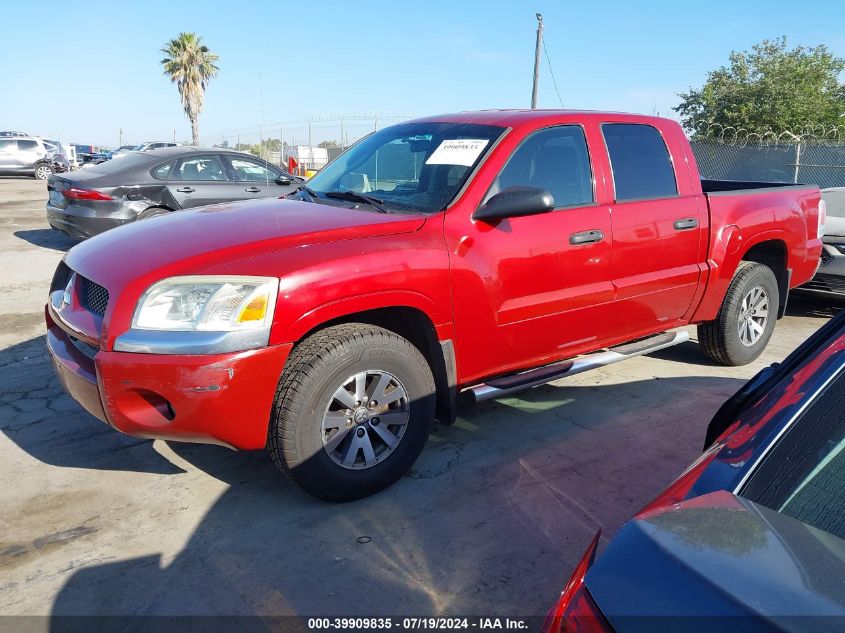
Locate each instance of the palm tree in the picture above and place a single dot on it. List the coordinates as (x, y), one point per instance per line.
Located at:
(190, 65)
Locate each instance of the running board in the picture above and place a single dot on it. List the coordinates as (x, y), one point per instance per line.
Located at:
(498, 387)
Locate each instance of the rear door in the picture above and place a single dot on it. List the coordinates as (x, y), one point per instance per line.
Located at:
(200, 179)
(28, 153)
(258, 178)
(657, 224)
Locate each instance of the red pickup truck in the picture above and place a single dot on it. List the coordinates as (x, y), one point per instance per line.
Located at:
(472, 254)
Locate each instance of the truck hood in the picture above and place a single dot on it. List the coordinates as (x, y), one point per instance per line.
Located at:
(719, 555)
(188, 242)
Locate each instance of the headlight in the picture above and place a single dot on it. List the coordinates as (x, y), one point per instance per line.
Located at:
(208, 304)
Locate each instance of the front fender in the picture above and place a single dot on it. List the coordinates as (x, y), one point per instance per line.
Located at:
(298, 328)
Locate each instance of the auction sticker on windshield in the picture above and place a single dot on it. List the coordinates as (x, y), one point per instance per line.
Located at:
(461, 151)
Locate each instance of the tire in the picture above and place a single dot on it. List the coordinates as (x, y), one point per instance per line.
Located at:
(722, 339)
(152, 212)
(42, 171)
(326, 364)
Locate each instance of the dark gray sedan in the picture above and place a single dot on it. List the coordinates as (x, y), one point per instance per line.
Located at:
(139, 185)
(751, 537)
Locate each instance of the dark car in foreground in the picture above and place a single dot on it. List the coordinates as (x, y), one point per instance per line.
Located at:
(830, 278)
(155, 182)
(751, 536)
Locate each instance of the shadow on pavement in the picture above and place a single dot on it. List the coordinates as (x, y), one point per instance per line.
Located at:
(47, 238)
(490, 520)
(46, 423)
(805, 304)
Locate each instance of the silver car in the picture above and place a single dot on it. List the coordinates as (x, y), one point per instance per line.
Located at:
(830, 278)
(25, 156)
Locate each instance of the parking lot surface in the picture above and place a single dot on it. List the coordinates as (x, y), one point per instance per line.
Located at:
(490, 520)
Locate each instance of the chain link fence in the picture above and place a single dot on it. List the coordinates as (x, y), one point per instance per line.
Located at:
(276, 142)
(815, 157)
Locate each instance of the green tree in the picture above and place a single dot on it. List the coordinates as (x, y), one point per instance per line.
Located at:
(771, 88)
(190, 65)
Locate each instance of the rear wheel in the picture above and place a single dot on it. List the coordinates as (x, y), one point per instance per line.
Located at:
(746, 320)
(152, 212)
(352, 412)
(43, 171)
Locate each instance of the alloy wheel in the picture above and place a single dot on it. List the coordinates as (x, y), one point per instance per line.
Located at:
(365, 419)
(753, 316)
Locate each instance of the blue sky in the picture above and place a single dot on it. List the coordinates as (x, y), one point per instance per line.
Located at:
(80, 71)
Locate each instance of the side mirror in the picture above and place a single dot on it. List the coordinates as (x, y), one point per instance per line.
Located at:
(515, 202)
(284, 181)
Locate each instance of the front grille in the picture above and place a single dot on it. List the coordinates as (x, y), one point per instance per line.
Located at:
(89, 350)
(94, 297)
(826, 283)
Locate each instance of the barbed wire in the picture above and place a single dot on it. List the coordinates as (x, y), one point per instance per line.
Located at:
(739, 136)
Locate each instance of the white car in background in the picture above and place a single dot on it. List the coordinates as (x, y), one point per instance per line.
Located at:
(830, 278)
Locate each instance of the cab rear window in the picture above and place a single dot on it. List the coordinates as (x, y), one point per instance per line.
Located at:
(641, 165)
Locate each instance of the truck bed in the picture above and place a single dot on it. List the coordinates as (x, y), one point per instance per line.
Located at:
(738, 186)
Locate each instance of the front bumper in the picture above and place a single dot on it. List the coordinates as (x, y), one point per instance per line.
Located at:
(82, 222)
(219, 399)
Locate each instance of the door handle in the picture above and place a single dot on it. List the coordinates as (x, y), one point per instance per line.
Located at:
(186, 190)
(252, 190)
(685, 223)
(586, 237)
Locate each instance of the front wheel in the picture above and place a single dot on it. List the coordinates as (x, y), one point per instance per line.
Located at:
(352, 412)
(746, 320)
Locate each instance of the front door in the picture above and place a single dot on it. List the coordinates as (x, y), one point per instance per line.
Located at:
(532, 289)
(257, 179)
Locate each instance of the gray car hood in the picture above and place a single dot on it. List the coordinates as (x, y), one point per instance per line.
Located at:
(726, 558)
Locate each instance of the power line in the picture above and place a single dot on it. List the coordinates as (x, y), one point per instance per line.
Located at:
(551, 72)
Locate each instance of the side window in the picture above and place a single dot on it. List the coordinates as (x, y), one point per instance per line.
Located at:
(199, 168)
(7, 145)
(27, 146)
(555, 159)
(247, 170)
(640, 162)
(162, 172)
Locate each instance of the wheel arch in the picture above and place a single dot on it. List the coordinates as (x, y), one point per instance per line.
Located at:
(774, 254)
(416, 325)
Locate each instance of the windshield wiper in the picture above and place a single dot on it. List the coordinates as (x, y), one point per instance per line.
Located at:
(354, 196)
(307, 190)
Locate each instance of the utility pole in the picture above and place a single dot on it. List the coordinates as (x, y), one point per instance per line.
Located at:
(537, 61)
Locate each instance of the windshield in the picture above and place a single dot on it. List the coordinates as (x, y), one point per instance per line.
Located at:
(411, 167)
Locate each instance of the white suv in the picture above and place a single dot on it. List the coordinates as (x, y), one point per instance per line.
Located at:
(28, 156)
